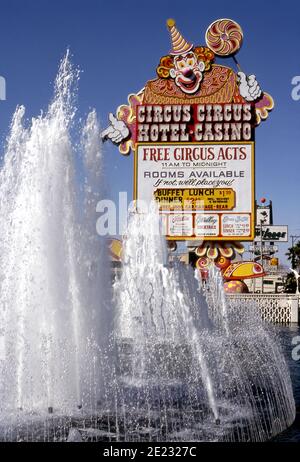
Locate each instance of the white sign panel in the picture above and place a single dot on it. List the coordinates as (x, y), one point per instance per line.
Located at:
(263, 215)
(180, 224)
(272, 233)
(207, 225)
(265, 248)
(203, 189)
(236, 225)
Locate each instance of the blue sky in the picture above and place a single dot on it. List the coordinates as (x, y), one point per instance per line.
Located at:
(117, 44)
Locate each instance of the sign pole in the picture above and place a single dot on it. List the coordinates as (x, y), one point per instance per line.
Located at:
(293, 253)
(261, 256)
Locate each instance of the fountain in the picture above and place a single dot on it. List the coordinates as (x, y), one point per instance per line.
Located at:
(55, 302)
(190, 366)
(162, 357)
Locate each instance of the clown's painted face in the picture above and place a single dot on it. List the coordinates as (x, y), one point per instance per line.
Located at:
(187, 72)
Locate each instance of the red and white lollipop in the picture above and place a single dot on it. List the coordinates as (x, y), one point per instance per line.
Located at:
(224, 37)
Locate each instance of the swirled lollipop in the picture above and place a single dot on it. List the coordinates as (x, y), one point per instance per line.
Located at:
(224, 37)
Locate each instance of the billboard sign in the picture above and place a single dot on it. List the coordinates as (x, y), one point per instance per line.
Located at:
(192, 131)
(203, 190)
(272, 233)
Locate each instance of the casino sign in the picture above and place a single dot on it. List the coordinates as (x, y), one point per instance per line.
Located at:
(192, 133)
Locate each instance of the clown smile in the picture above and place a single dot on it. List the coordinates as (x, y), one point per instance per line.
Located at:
(188, 84)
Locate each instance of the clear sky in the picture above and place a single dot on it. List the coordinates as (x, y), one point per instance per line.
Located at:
(117, 44)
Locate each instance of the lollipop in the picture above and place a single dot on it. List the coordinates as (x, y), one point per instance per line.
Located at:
(224, 37)
(222, 262)
(203, 263)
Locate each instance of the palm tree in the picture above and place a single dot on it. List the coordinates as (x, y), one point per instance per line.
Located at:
(290, 284)
(293, 255)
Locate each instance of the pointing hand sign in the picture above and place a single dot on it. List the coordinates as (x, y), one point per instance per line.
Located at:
(248, 87)
(117, 131)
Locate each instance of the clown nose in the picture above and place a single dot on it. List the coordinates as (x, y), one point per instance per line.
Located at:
(188, 73)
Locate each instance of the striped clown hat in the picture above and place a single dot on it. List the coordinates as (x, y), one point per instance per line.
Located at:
(179, 44)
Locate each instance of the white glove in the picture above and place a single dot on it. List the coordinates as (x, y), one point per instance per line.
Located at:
(117, 131)
(249, 87)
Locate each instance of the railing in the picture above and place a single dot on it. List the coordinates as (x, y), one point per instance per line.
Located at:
(275, 308)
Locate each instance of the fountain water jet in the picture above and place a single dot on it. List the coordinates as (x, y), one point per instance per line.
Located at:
(55, 302)
(190, 366)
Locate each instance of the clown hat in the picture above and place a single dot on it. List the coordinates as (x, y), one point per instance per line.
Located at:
(179, 44)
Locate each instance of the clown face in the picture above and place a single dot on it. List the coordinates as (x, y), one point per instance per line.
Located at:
(187, 72)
